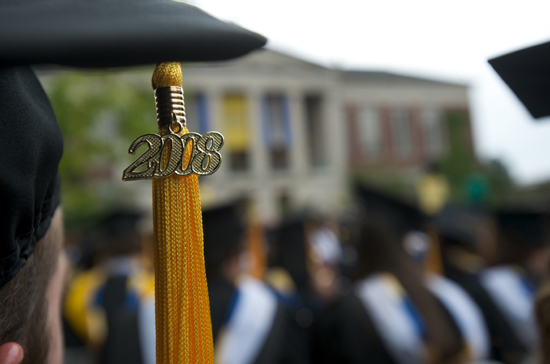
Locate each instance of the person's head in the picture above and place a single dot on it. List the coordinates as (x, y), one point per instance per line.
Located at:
(522, 233)
(224, 235)
(30, 322)
(31, 262)
(119, 234)
(468, 229)
(377, 247)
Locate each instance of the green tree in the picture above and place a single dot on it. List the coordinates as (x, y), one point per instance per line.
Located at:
(100, 114)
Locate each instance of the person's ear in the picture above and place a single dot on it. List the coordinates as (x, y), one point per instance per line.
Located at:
(11, 353)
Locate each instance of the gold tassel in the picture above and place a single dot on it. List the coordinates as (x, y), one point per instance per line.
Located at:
(182, 309)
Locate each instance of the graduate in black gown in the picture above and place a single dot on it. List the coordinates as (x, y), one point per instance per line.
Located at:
(520, 266)
(303, 254)
(345, 332)
(469, 246)
(115, 314)
(390, 316)
(249, 324)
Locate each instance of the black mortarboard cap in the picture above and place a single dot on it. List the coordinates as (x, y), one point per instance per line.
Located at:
(114, 33)
(224, 230)
(527, 73)
(460, 224)
(523, 226)
(120, 222)
(223, 225)
(288, 250)
(398, 214)
(31, 148)
(118, 233)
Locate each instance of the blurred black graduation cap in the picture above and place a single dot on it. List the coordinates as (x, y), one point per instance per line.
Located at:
(527, 73)
(460, 224)
(527, 227)
(224, 228)
(120, 222)
(287, 249)
(119, 233)
(82, 33)
(398, 214)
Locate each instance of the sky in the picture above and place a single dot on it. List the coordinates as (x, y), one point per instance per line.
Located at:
(438, 39)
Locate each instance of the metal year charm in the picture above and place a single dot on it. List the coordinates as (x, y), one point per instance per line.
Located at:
(204, 160)
(166, 154)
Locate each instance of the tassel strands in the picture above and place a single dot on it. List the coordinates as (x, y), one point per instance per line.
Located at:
(182, 309)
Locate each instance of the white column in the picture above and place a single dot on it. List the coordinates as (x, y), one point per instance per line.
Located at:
(298, 153)
(258, 153)
(335, 133)
(336, 143)
(259, 181)
(217, 185)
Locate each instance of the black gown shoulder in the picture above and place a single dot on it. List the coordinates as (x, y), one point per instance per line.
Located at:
(505, 345)
(123, 343)
(284, 344)
(281, 346)
(220, 293)
(345, 334)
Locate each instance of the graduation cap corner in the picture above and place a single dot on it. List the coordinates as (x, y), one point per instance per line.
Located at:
(527, 73)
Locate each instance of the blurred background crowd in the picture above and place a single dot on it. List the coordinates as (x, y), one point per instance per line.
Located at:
(352, 220)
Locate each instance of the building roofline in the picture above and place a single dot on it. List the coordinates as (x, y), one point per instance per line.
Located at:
(370, 74)
(295, 57)
(361, 75)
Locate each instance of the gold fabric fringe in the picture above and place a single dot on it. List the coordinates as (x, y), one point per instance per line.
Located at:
(182, 309)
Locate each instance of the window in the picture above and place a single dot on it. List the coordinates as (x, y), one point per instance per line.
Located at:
(196, 112)
(315, 130)
(370, 133)
(433, 136)
(238, 160)
(402, 133)
(236, 128)
(284, 204)
(277, 130)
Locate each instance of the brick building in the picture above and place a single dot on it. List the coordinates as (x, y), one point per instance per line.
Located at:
(403, 123)
(297, 131)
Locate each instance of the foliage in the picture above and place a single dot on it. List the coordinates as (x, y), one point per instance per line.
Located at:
(459, 162)
(471, 180)
(100, 115)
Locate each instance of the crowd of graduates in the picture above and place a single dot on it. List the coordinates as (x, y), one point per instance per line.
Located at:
(383, 282)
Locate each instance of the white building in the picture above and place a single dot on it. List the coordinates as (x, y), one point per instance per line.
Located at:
(284, 129)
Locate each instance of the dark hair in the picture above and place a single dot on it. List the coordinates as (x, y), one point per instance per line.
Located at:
(23, 300)
(377, 248)
(215, 259)
(513, 249)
